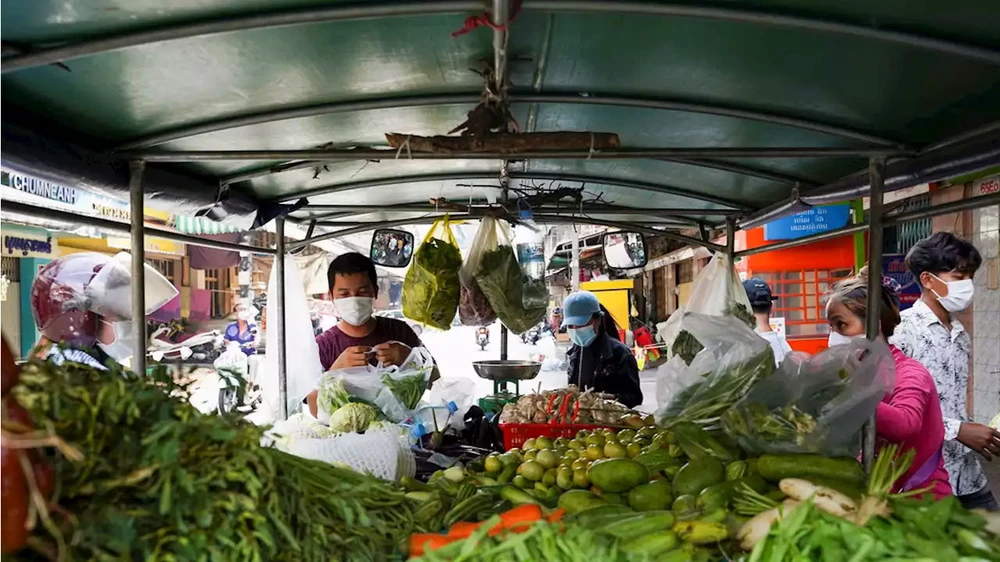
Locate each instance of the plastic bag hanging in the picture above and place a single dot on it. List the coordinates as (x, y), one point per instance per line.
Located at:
(531, 258)
(474, 308)
(814, 404)
(431, 290)
(502, 281)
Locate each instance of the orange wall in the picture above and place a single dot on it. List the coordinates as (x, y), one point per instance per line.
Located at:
(830, 254)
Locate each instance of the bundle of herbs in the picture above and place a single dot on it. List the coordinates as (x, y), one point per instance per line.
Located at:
(160, 481)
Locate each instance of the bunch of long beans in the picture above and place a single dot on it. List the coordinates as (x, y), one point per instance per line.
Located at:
(161, 481)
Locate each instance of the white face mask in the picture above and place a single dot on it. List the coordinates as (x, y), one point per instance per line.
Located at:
(959, 295)
(356, 311)
(121, 348)
(836, 338)
(244, 315)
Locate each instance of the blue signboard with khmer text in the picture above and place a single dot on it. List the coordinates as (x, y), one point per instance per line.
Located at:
(813, 221)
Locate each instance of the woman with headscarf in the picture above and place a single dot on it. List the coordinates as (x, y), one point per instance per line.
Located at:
(598, 360)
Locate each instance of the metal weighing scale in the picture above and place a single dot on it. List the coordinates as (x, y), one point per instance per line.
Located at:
(506, 376)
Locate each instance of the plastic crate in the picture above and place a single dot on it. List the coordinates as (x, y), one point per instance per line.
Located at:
(515, 434)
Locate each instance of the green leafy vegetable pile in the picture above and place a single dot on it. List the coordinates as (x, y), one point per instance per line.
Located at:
(408, 390)
(431, 290)
(500, 278)
(161, 481)
(781, 424)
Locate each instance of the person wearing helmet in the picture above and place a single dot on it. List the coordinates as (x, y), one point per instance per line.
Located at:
(598, 360)
(84, 303)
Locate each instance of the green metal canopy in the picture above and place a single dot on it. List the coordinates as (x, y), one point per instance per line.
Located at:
(722, 108)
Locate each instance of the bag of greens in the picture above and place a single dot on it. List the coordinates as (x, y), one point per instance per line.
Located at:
(500, 278)
(474, 308)
(431, 288)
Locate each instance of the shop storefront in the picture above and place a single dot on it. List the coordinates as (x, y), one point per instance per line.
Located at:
(25, 251)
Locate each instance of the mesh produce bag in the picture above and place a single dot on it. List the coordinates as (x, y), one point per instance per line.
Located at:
(815, 404)
(431, 290)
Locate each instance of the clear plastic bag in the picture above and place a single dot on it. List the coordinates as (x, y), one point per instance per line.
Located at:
(717, 291)
(431, 290)
(474, 308)
(733, 359)
(368, 384)
(531, 258)
(815, 404)
(500, 278)
(233, 360)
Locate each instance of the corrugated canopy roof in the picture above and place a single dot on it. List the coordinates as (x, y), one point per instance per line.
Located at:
(856, 77)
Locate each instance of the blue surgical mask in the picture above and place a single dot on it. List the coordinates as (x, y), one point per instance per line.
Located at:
(582, 336)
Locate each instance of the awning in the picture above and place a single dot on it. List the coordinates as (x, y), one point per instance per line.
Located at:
(198, 225)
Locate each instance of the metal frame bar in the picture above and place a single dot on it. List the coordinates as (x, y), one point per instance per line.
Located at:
(138, 250)
(328, 108)
(543, 176)
(891, 220)
(876, 171)
(123, 40)
(19, 208)
(327, 211)
(558, 154)
(743, 170)
(279, 274)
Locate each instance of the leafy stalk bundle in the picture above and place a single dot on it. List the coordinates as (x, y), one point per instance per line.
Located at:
(161, 481)
(408, 390)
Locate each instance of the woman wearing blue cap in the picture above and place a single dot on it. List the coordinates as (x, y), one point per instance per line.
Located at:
(598, 361)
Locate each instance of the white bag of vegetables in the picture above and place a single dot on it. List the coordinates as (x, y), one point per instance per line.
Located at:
(394, 390)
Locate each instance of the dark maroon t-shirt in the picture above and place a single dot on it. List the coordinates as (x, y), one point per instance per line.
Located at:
(333, 342)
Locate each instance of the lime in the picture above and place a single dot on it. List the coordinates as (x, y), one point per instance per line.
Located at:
(522, 482)
(571, 455)
(492, 463)
(549, 478)
(528, 445)
(614, 451)
(547, 458)
(543, 442)
(577, 444)
(561, 442)
(595, 439)
(533, 471)
(530, 455)
(579, 464)
(633, 449)
(564, 478)
(595, 452)
(626, 435)
(580, 479)
(509, 459)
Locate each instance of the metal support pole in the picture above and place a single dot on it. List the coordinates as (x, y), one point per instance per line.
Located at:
(876, 171)
(503, 342)
(279, 264)
(136, 169)
(731, 238)
(574, 260)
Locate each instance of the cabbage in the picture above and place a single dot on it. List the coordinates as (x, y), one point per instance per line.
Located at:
(332, 394)
(354, 416)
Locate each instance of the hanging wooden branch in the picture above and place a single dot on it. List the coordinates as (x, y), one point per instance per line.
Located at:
(506, 143)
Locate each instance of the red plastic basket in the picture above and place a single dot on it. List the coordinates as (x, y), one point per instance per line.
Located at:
(515, 434)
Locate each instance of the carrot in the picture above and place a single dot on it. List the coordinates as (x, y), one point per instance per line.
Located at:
(556, 515)
(422, 542)
(462, 529)
(518, 519)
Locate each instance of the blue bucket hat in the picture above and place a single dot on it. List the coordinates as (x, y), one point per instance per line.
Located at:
(579, 308)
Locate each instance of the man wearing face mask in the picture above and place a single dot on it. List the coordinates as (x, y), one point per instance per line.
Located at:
(944, 265)
(598, 360)
(83, 302)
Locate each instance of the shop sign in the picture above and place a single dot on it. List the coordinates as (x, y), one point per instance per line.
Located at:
(152, 245)
(25, 244)
(894, 266)
(986, 186)
(39, 188)
(806, 223)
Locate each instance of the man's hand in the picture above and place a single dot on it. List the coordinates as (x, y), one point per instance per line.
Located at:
(392, 353)
(982, 439)
(356, 356)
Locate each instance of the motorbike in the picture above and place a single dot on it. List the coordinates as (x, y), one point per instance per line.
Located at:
(236, 389)
(531, 336)
(171, 342)
(482, 338)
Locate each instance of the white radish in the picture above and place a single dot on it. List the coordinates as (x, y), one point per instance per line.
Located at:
(757, 528)
(830, 501)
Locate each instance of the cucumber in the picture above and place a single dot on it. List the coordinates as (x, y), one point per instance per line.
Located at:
(596, 517)
(652, 544)
(701, 532)
(516, 495)
(639, 525)
(656, 461)
(777, 467)
(465, 491)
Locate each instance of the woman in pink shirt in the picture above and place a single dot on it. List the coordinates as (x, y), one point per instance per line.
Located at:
(910, 415)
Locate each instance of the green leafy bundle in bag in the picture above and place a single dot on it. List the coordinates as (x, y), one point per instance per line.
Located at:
(431, 289)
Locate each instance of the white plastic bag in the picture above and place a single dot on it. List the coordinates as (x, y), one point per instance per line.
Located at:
(717, 291)
(302, 362)
(733, 360)
(474, 309)
(448, 401)
(233, 360)
(365, 383)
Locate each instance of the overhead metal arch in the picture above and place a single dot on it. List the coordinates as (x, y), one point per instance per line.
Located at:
(371, 10)
(472, 98)
(463, 176)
